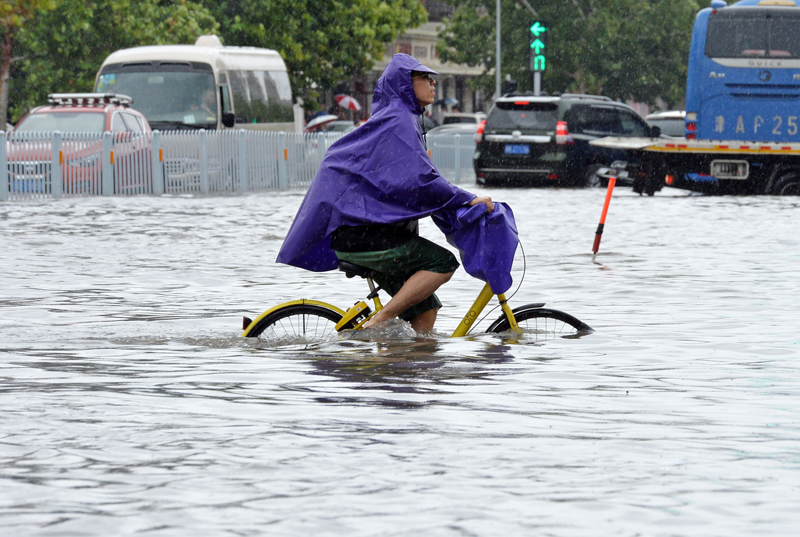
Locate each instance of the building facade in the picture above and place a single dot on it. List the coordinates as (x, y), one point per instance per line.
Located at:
(452, 84)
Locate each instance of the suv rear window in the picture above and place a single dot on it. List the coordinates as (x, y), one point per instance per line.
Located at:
(522, 116)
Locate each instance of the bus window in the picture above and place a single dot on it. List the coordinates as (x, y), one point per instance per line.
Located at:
(753, 35)
(261, 96)
(784, 39)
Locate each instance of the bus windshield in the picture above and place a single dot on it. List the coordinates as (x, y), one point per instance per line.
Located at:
(753, 33)
(166, 96)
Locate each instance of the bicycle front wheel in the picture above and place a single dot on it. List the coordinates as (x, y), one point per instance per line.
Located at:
(296, 323)
(542, 323)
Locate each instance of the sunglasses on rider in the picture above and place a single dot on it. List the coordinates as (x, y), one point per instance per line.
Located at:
(427, 77)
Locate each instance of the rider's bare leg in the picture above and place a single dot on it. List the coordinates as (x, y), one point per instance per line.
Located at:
(424, 321)
(416, 289)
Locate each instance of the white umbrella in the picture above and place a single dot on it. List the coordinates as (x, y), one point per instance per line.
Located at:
(321, 120)
(345, 101)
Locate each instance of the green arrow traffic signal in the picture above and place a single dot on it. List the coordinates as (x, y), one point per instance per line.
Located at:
(537, 29)
(537, 46)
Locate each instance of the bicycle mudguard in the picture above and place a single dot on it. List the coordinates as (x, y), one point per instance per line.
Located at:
(300, 302)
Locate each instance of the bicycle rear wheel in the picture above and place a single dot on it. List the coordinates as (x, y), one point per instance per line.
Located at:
(296, 323)
(542, 323)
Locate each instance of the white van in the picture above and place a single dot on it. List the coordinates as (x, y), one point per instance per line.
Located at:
(202, 86)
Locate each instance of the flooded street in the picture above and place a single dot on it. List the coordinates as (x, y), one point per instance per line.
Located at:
(131, 406)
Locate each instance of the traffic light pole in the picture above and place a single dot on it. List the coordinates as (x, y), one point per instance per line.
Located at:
(497, 90)
(537, 82)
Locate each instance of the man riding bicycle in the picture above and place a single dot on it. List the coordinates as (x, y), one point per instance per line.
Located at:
(373, 186)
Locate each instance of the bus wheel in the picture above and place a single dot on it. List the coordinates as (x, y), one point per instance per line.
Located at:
(788, 185)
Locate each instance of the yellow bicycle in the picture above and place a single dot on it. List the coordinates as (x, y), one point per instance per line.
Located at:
(315, 320)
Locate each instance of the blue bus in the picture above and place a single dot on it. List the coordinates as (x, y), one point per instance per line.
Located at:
(744, 72)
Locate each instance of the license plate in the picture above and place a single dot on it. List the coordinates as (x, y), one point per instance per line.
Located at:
(518, 149)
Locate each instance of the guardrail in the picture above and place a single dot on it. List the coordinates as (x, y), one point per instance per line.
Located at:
(183, 162)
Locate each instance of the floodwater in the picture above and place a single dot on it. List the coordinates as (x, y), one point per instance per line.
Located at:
(131, 406)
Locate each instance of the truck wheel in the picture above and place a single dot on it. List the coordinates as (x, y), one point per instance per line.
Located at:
(788, 185)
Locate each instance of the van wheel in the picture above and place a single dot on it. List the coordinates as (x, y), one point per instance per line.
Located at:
(788, 185)
(590, 177)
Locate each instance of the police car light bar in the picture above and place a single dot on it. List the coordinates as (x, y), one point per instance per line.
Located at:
(88, 99)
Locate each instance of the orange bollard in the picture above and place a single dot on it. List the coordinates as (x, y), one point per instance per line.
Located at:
(599, 233)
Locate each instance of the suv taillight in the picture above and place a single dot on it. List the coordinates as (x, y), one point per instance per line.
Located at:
(479, 132)
(562, 134)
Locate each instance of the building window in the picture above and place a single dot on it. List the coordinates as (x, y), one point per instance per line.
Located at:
(403, 48)
(434, 52)
(420, 52)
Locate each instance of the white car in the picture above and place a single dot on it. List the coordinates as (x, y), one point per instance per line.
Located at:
(672, 123)
(462, 117)
(454, 128)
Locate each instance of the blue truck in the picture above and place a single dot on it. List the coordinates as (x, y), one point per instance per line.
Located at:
(742, 106)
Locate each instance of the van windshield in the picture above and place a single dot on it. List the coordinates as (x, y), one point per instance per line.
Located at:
(167, 96)
(530, 117)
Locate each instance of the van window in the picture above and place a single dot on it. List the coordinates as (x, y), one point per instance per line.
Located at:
(261, 96)
(165, 93)
(530, 117)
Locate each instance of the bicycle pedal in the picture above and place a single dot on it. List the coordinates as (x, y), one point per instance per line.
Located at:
(357, 313)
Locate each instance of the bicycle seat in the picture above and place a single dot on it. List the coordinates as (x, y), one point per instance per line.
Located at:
(350, 270)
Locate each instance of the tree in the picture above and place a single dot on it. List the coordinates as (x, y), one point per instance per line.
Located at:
(323, 42)
(14, 14)
(63, 49)
(625, 49)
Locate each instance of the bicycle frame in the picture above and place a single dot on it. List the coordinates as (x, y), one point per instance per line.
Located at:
(466, 323)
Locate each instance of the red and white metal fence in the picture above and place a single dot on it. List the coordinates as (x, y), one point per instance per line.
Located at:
(182, 162)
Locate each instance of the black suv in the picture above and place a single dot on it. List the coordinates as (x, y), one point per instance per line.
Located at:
(538, 140)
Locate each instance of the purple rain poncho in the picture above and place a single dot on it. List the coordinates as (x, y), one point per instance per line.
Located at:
(379, 173)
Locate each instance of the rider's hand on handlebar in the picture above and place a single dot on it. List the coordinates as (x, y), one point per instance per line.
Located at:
(487, 200)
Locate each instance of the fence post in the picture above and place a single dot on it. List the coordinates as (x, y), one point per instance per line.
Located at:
(458, 159)
(57, 159)
(244, 172)
(108, 164)
(158, 169)
(3, 168)
(203, 139)
(283, 177)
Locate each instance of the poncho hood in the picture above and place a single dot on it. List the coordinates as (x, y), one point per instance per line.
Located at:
(396, 85)
(379, 173)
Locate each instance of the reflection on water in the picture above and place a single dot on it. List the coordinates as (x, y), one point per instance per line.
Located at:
(132, 406)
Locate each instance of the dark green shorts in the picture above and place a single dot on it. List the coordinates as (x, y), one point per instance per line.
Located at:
(397, 265)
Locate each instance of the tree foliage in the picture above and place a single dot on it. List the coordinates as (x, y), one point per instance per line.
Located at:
(63, 49)
(322, 41)
(13, 16)
(625, 49)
